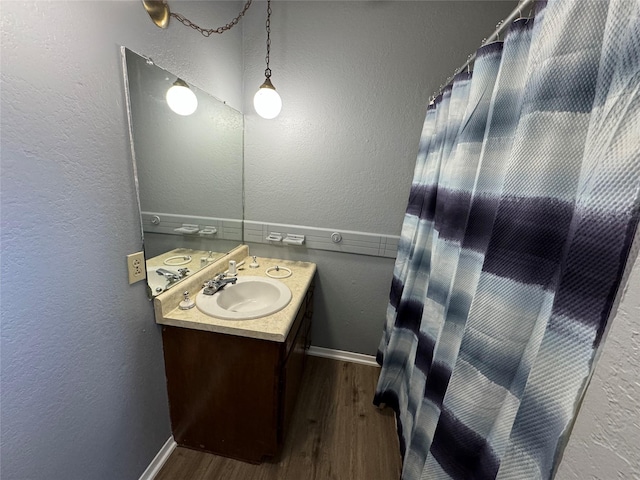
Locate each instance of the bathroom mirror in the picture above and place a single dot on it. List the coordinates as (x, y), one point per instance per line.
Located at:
(188, 172)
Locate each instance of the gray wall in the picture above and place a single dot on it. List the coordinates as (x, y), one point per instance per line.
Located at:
(83, 388)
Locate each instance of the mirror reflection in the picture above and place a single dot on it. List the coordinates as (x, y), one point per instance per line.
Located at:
(189, 173)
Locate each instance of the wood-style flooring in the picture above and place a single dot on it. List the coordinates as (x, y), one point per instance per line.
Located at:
(336, 434)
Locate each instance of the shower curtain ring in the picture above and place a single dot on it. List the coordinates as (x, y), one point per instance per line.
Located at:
(498, 25)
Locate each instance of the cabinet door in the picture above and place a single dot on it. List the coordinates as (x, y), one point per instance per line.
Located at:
(292, 375)
(222, 392)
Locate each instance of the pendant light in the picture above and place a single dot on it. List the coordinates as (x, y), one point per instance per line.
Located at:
(181, 98)
(266, 101)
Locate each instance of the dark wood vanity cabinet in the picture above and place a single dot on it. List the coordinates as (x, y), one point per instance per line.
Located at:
(231, 395)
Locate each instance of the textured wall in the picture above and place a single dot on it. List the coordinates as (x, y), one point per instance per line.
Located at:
(604, 442)
(83, 388)
(355, 79)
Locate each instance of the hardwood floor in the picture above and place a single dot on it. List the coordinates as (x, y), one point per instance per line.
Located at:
(336, 434)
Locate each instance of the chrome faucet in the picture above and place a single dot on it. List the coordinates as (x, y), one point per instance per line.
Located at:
(218, 283)
(183, 272)
(172, 277)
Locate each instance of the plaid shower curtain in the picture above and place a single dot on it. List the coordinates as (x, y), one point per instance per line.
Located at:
(521, 218)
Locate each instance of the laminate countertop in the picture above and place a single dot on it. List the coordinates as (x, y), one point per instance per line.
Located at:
(274, 327)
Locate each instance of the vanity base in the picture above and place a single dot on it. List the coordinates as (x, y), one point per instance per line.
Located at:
(233, 396)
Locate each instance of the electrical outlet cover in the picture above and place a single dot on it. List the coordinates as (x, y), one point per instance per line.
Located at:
(136, 267)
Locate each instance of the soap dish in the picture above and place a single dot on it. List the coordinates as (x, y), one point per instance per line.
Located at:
(292, 239)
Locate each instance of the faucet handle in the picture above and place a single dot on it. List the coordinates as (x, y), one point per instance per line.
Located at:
(187, 303)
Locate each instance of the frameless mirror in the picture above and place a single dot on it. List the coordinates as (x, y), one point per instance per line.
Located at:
(188, 172)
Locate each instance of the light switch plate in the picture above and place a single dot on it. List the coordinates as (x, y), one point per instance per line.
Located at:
(136, 267)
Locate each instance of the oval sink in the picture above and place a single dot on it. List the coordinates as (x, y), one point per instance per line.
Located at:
(248, 298)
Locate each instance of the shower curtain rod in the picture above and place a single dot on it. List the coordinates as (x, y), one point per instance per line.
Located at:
(500, 27)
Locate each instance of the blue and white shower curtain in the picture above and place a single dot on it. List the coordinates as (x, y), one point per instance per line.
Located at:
(521, 218)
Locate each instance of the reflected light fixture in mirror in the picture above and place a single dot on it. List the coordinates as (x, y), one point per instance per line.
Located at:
(181, 98)
(266, 101)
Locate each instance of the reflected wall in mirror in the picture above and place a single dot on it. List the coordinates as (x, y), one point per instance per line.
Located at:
(189, 174)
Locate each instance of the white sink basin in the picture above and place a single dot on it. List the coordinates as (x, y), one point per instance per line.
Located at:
(248, 298)
(158, 283)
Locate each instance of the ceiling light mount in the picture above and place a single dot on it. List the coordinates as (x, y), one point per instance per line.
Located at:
(159, 12)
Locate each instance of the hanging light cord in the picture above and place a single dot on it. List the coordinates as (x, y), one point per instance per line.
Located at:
(267, 72)
(208, 31)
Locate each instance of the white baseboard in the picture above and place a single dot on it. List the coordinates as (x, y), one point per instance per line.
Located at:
(342, 355)
(158, 461)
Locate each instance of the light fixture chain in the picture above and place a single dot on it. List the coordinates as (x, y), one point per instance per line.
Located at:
(267, 72)
(208, 31)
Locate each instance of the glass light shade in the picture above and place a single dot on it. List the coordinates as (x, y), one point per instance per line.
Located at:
(267, 102)
(181, 99)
